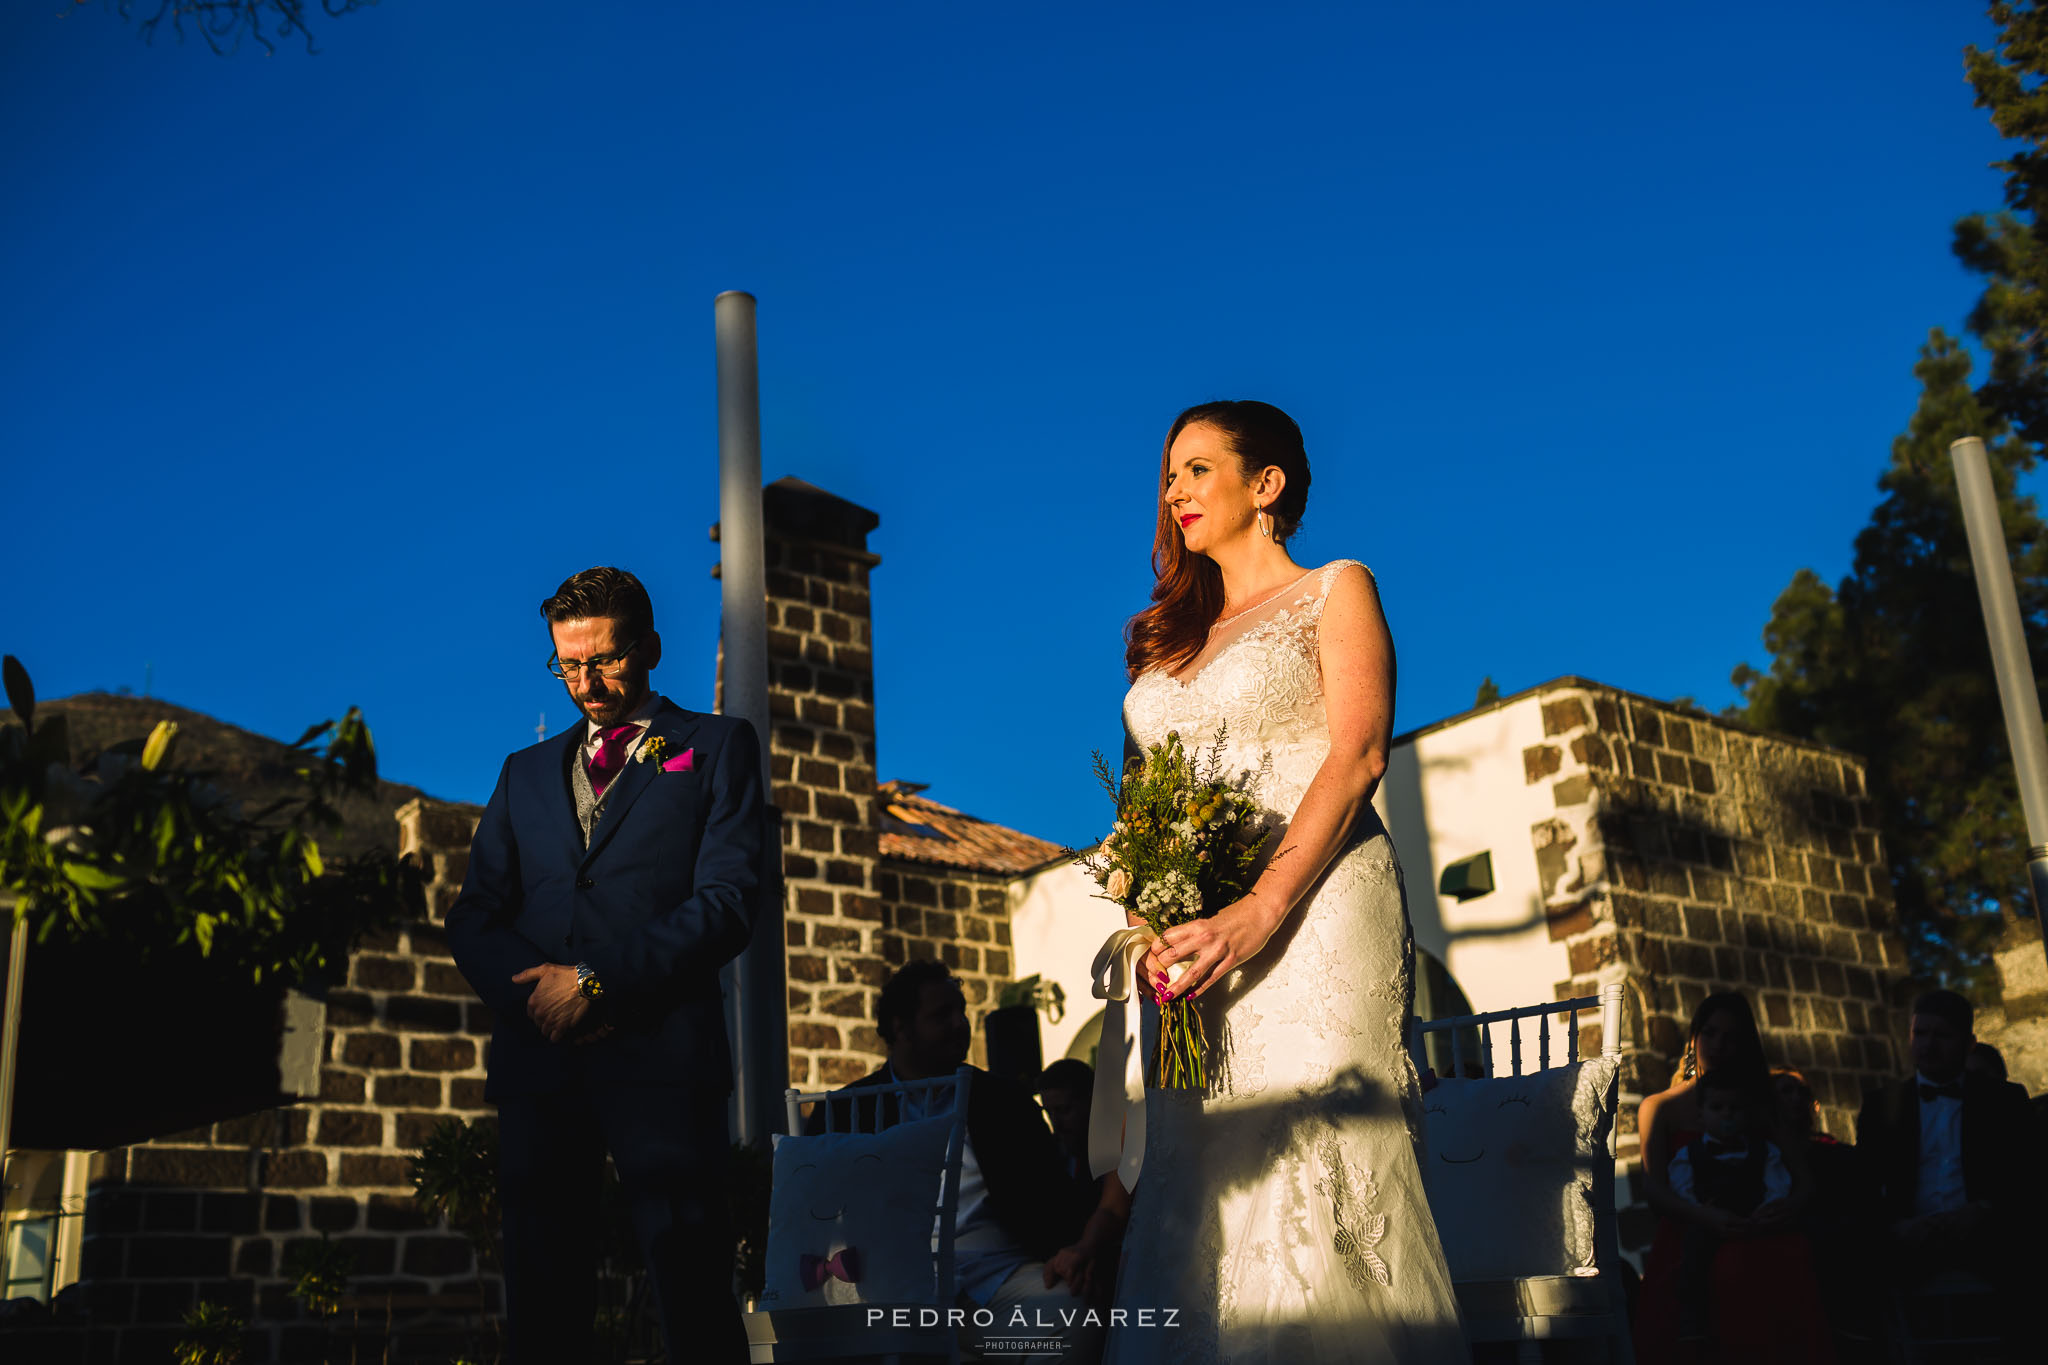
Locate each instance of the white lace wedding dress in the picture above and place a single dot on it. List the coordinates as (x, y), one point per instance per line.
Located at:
(1283, 1212)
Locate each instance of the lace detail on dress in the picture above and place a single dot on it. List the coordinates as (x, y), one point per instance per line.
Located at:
(1283, 1211)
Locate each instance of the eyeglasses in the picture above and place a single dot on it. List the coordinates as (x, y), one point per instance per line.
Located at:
(606, 665)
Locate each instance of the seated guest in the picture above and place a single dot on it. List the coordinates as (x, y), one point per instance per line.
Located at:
(1731, 1167)
(1837, 1220)
(1016, 1207)
(1948, 1153)
(1067, 1090)
(1765, 1303)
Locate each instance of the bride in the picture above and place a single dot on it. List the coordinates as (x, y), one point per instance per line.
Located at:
(1281, 1213)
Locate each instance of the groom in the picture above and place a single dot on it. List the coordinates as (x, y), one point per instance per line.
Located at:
(612, 875)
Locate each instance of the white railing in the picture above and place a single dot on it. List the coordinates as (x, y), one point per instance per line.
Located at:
(1608, 1002)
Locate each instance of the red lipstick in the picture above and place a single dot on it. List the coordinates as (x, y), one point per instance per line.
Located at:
(1189, 520)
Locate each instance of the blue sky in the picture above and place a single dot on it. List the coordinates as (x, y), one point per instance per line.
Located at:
(321, 371)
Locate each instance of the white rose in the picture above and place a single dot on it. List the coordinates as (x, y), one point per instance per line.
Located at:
(1119, 884)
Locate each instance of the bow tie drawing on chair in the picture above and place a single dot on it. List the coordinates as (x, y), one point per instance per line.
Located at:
(841, 1265)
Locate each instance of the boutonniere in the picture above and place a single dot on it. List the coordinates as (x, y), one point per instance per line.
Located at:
(655, 749)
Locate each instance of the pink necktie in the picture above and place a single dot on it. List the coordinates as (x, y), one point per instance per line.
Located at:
(604, 765)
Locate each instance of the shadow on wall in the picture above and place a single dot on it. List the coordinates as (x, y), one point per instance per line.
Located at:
(1407, 820)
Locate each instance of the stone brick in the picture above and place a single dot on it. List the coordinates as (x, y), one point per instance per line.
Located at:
(842, 873)
(178, 1258)
(1592, 751)
(1671, 769)
(1589, 955)
(1540, 761)
(806, 1035)
(844, 1005)
(995, 961)
(340, 1087)
(417, 1014)
(1702, 924)
(835, 936)
(362, 1169)
(382, 973)
(409, 1092)
(806, 967)
(436, 1255)
(466, 1093)
(281, 1213)
(165, 1211)
(379, 1050)
(442, 1054)
(1573, 791)
(254, 1258)
(865, 909)
(842, 1070)
(349, 1009)
(1568, 713)
(351, 1128)
(441, 978)
(1566, 921)
(188, 1166)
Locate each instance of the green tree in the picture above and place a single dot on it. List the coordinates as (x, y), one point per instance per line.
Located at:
(1489, 692)
(1892, 664)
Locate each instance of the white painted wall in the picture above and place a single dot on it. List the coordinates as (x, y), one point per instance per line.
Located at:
(1056, 924)
(1458, 791)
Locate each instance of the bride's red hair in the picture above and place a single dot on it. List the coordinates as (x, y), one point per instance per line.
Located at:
(1188, 596)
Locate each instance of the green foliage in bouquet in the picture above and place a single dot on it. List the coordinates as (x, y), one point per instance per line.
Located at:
(1184, 845)
(152, 858)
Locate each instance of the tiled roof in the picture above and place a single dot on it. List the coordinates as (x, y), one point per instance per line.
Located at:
(921, 830)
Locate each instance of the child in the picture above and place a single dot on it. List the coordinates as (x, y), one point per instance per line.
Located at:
(1726, 1168)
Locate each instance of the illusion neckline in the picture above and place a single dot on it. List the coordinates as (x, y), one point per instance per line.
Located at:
(1272, 596)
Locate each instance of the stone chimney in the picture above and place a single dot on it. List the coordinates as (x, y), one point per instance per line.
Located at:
(821, 681)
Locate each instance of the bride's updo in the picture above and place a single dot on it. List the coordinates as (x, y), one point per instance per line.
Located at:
(1189, 594)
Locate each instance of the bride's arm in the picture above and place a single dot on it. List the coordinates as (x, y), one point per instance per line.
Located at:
(1357, 656)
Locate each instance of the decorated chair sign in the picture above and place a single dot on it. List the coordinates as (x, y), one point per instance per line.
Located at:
(1520, 1173)
(860, 1262)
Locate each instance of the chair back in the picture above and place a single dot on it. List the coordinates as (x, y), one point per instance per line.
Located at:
(874, 1109)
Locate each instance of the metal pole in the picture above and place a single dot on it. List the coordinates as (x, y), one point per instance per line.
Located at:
(2017, 694)
(755, 981)
(10, 1023)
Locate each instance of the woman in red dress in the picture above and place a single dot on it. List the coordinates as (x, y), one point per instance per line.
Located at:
(1766, 1303)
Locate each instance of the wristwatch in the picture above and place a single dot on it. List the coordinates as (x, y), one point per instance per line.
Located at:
(587, 984)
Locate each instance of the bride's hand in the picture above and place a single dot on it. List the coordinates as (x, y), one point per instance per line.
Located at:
(1211, 947)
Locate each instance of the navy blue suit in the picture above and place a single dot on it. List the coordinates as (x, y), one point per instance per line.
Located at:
(663, 897)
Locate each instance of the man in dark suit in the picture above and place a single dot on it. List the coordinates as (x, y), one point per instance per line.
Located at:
(614, 872)
(1016, 1205)
(1946, 1152)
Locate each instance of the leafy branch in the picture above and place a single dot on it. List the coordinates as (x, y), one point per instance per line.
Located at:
(223, 24)
(157, 859)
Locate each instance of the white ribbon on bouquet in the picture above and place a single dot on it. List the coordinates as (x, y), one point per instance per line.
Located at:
(1116, 1122)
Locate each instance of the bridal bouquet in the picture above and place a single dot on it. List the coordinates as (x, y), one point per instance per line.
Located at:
(1183, 845)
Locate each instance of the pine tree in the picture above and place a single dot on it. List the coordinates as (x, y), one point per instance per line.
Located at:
(1892, 663)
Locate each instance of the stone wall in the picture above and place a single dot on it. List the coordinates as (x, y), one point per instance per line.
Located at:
(851, 915)
(2018, 1024)
(1690, 855)
(212, 1213)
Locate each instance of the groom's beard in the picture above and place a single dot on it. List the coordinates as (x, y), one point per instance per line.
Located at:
(613, 707)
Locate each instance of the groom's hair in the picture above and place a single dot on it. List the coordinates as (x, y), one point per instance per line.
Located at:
(902, 993)
(602, 592)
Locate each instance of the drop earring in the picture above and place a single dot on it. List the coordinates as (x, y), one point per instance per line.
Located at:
(1265, 524)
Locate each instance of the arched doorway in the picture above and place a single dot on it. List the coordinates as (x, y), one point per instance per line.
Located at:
(1438, 996)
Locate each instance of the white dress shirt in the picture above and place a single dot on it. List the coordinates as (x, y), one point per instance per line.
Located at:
(983, 1254)
(1940, 1186)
